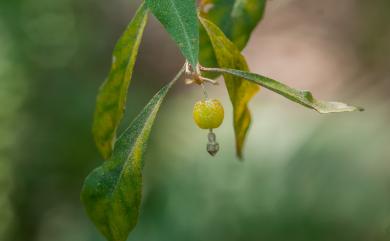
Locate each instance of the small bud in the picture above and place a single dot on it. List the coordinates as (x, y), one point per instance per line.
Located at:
(189, 81)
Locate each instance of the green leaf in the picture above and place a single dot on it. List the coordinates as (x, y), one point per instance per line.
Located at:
(112, 192)
(240, 90)
(180, 20)
(111, 100)
(302, 97)
(236, 18)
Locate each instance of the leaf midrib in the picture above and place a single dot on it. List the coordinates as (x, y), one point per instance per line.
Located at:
(139, 33)
(151, 116)
(183, 26)
(136, 142)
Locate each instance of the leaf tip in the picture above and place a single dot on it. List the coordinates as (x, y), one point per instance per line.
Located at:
(360, 109)
(240, 157)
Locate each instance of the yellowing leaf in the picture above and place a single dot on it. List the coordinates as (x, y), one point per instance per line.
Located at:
(236, 18)
(112, 192)
(111, 100)
(302, 97)
(240, 90)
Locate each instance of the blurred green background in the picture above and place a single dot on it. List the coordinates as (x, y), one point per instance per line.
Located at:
(305, 177)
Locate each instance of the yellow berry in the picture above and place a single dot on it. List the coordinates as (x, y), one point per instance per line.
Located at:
(208, 114)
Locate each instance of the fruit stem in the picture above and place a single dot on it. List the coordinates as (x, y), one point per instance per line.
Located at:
(206, 96)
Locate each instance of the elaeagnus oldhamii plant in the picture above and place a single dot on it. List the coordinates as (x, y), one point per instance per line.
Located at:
(210, 36)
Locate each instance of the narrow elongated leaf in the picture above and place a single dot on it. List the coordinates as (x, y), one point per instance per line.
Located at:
(179, 19)
(302, 97)
(236, 18)
(240, 90)
(112, 192)
(112, 95)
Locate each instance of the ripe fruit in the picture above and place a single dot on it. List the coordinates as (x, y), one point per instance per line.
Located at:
(208, 114)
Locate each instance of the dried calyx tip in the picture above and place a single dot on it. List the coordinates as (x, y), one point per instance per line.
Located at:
(212, 145)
